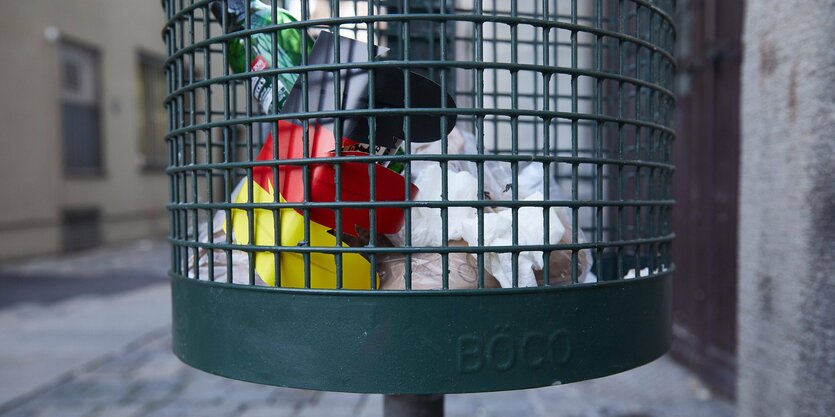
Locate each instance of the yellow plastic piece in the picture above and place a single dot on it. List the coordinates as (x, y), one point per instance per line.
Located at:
(356, 269)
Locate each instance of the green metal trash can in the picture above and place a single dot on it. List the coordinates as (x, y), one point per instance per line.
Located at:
(420, 197)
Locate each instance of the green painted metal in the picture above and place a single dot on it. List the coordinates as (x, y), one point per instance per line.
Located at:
(582, 88)
(421, 342)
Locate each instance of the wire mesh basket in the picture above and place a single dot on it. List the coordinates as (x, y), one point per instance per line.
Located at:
(420, 196)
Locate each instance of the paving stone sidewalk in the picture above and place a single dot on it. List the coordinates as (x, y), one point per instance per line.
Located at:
(145, 379)
(109, 355)
(149, 256)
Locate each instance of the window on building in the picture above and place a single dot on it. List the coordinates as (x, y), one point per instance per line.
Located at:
(80, 228)
(153, 121)
(80, 109)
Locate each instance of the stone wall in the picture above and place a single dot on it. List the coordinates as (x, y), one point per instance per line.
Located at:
(787, 210)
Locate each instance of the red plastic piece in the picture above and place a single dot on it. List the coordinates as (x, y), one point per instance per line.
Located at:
(355, 182)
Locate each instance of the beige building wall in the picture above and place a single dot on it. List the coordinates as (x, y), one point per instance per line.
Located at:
(33, 186)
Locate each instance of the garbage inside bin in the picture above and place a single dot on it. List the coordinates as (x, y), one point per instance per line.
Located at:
(388, 88)
(427, 271)
(288, 48)
(323, 273)
(323, 188)
(462, 222)
(390, 186)
(322, 267)
(218, 264)
(355, 184)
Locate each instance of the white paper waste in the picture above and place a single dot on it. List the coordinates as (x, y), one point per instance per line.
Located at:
(426, 222)
(631, 273)
(498, 227)
(498, 176)
(428, 271)
(240, 259)
(462, 185)
(498, 231)
(462, 222)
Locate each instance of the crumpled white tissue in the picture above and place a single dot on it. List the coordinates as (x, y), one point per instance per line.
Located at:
(498, 225)
(498, 229)
(462, 222)
(426, 222)
(497, 175)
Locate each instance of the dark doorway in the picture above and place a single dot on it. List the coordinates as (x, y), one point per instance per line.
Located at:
(706, 189)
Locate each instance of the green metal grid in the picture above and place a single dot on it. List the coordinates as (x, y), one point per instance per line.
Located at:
(581, 87)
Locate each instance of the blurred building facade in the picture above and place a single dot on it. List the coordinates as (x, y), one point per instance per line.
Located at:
(81, 104)
(84, 154)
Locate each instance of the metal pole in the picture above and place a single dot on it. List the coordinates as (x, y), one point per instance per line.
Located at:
(413, 405)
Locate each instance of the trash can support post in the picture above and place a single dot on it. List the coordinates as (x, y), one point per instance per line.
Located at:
(413, 405)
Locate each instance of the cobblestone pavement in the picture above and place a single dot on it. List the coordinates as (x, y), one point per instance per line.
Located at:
(59, 312)
(101, 271)
(145, 379)
(125, 368)
(150, 256)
